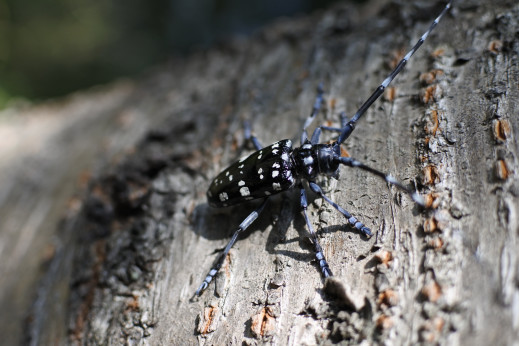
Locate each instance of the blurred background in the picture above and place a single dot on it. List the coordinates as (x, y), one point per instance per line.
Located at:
(49, 48)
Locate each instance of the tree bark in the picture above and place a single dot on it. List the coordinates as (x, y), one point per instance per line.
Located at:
(138, 244)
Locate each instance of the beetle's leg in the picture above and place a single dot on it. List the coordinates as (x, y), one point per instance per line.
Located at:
(325, 269)
(316, 135)
(319, 99)
(352, 220)
(317, 132)
(218, 264)
(344, 121)
(250, 136)
(348, 161)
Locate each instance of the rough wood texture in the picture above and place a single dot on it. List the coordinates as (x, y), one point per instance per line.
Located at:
(143, 238)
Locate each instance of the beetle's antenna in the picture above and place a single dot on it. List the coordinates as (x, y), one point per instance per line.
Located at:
(350, 126)
(348, 161)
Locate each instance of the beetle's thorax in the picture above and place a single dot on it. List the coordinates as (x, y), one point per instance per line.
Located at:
(313, 159)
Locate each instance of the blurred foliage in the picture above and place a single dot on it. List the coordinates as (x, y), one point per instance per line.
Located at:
(49, 48)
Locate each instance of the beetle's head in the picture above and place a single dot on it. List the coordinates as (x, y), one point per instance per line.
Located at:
(326, 158)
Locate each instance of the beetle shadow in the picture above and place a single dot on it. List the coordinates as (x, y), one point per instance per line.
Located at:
(289, 211)
(220, 223)
(282, 211)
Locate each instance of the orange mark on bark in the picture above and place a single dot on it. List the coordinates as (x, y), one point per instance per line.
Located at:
(431, 175)
(388, 297)
(495, 46)
(501, 129)
(263, 322)
(431, 200)
(430, 77)
(384, 322)
(384, 257)
(430, 225)
(438, 52)
(502, 170)
(206, 325)
(390, 94)
(436, 243)
(432, 291)
(435, 123)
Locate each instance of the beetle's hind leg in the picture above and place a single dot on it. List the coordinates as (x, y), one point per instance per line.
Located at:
(218, 264)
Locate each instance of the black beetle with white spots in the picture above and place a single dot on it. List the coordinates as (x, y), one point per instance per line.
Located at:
(279, 167)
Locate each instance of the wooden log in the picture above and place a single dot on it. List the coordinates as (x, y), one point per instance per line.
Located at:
(142, 239)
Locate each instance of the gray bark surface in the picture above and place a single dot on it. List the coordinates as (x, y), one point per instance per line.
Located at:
(135, 247)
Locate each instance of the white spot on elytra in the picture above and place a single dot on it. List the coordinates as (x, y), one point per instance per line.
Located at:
(276, 165)
(244, 191)
(260, 170)
(223, 196)
(276, 186)
(275, 174)
(241, 183)
(227, 173)
(230, 178)
(241, 166)
(284, 157)
(261, 176)
(275, 145)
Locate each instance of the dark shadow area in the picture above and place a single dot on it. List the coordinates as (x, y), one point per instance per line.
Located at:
(220, 223)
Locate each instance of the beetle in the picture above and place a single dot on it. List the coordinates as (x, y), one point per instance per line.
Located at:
(279, 167)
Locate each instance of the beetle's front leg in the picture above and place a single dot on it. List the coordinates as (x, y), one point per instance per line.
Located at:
(319, 255)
